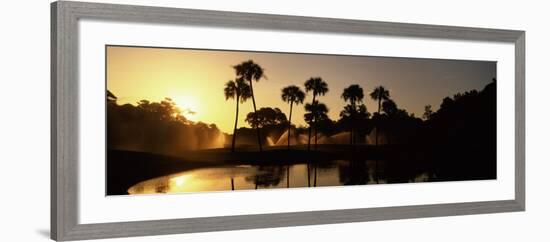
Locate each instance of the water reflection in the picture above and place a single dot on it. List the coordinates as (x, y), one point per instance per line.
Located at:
(311, 174)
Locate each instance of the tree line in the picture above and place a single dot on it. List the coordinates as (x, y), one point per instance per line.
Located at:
(354, 116)
(156, 127)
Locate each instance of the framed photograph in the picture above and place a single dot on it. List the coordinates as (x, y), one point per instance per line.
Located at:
(169, 120)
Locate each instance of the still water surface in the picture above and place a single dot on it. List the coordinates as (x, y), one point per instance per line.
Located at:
(246, 177)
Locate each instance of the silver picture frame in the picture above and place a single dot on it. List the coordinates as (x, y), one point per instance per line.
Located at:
(64, 118)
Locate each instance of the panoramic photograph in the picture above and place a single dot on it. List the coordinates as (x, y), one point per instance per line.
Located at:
(193, 120)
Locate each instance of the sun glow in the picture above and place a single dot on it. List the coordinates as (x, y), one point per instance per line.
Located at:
(189, 106)
(180, 180)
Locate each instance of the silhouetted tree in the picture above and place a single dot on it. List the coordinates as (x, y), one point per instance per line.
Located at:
(251, 71)
(266, 116)
(165, 110)
(395, 121)
(389, 107)
(317, 86)
(240, 91)
(351, 117)
(379, 93)
(157, 127)
(446, 103)
(354, 95)
(463, 133)
(292, 94)
(316, 111)
(111, 98)
(427, 112)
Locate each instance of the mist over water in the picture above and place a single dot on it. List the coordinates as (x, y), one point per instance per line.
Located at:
(341, 138)
(269, 141)
(158, 128)
(295, 139)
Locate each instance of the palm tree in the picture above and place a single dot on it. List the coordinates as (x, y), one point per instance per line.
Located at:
(240, 91)
(249, 71)
(292, 94)
(315, 111)
(379, 93)
(354, 95)
(318, 87)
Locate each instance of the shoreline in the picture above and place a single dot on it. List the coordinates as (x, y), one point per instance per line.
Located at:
(127, 168)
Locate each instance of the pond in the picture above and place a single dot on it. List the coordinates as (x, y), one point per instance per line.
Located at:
(248, 177)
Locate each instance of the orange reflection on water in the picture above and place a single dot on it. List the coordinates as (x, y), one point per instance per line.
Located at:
(247, 177)
(208, 179)
(236, 178)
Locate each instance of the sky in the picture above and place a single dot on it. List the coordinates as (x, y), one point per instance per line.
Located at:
(195, 79)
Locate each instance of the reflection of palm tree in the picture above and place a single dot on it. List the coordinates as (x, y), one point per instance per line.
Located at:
(379, 93)
(353, 94)
(318, 87)
(315, 176)
(288, 176)
(316, 111)
(292, 94)
(249, 71)
(240, 91)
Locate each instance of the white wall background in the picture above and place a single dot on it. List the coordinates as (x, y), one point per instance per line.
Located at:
(24, 120)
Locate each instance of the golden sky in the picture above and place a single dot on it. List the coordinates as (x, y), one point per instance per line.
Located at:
(195, 79)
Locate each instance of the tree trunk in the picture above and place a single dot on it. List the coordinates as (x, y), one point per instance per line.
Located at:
(311, 123)
(255, 117)
(308, 175)
(315, 147)
(235, 128)
(352, 130)
(378, 121)
(315, 176)
(289, 125)
(377, 128)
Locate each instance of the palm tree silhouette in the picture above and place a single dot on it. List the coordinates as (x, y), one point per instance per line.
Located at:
(240, 91)
(353, 94)
(249, 71)
(292, 94)
(315, 111)
(378, 94)
(318, 87)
